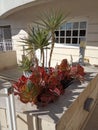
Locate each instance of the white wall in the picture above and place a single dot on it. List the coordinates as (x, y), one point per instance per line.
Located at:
(92, 32)
(7, 5)
(8, 59)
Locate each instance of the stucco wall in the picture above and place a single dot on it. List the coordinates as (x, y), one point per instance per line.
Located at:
(92, 31)
(7, 59)
(5, 7)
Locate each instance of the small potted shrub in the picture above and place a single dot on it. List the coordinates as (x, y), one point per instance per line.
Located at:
(25, 66)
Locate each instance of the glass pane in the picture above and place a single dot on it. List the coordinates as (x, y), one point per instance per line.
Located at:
(68, 33)
(1, 35)
(8, 46)
(57, 33)
(7, 32)
(74, 40)
(61, 40)
(1, 46)
(62, 33)
(75, 32)
(75, 25)
(83, 25)
(68, 40)
(62, 27)
(1, 38)
(57, 40)
(69, 26)
(82, 33)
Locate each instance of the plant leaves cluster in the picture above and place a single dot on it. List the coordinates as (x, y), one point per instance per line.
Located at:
(42, 31)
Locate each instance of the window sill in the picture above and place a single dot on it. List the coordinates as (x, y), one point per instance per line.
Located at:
(65, 45)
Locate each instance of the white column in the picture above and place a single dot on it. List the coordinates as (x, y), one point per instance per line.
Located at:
(9, 114)
(13, 111)
(10, 106)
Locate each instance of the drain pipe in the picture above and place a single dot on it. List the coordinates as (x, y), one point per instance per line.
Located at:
(10, 105)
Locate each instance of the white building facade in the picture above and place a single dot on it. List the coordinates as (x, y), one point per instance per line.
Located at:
(16, 16)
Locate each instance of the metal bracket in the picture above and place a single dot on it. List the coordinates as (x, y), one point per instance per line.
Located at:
(88, 103)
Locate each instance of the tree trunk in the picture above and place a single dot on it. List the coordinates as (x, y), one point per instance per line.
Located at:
(52, 47)
(43, 59)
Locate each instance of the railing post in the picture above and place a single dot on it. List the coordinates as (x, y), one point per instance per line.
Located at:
(9, 114)
(10, 105)
(13, 111)
(4, 45)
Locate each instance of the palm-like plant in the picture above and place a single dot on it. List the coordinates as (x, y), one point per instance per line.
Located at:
(52, 21)
(26, 64)
(37, 39)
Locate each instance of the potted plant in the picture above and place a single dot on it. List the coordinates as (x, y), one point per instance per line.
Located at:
(25, 66)
(43, 87)
(37, 39)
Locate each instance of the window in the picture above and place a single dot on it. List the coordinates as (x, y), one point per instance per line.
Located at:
(71, 33)
(5, 38)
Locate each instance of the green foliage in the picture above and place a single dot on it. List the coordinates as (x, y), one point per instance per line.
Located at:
(26, 64)
(51, 21)
(29, 85)
(37, 39)
(39, 35)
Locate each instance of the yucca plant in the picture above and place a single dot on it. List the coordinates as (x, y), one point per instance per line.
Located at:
(37, 39)
(52, 21)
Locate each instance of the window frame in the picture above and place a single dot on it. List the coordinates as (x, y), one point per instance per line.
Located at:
(70, 37)
(5, 38)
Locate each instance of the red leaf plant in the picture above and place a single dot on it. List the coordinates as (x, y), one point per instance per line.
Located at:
(46, 86)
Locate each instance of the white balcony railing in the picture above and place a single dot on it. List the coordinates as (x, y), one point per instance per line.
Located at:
(6, 45)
